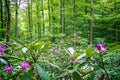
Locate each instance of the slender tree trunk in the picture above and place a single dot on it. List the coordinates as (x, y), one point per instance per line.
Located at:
(52, 18)
(29, 20)
(31, 27)
(116, 24)
(62, 15)
(91, 21)
(86, 20)
(49, 16)
(74, 11)
(43, 17)
(1, 19)
(8, 20)
(16, 21)
(38, 22)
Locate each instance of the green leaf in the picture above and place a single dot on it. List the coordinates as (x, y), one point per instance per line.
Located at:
(37, 45)
(4, 60)
(28, 75)
(114, 48)
(89, 52)
(13, 46)
(92, 76)
(16, 40)
(76, 76)
(42, 73)
(45, 46)
(77, 67)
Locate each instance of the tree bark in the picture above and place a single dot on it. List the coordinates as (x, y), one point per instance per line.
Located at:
(38, 22)
(49, 16)
(7, 5)
(91, 21)
(62, 15)
(16, 20)
(1, 19)
(29, 20)
(74, 11)
(43, 17)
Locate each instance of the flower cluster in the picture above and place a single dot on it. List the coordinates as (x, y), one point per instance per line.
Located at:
(53, 48)
(2, 49)
(23, 65)
(78, 37)
(72, 60)
(8, 68)
(100, 47)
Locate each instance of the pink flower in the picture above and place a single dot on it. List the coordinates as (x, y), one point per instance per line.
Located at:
(104, 75)
(100, 47)
(24, 65)
(2, 49)
(74, 33)
(8, 69)
(78, 37)
(92, 58)
(72, 60)
(53, 48)
(61, 41)
(89, 65)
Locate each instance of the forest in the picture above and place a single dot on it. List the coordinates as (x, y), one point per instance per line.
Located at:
(59, 39)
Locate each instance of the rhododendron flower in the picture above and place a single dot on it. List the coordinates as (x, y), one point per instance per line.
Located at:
(104, 75)
(53, 48)
(119, 59)
(24, 65)
(74, 33)
(8, 68)
(72, 60)
(2, 49)
(94, 79)
(100, 47)
(78, 37)
(89, 65)
(92, 58)
(61, 41)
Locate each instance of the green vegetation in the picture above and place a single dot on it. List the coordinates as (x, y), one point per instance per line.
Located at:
(59, 40)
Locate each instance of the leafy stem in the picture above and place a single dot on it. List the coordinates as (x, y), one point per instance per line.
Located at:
(103, 67)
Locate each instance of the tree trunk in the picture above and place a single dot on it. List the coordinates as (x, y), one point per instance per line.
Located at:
(116, 25)
(29, 20)
(49, 16)
(43, 17)
(1, 20)
(7, 5)
(62, 15)
(86, 20)
(16, 21)
(74, 11)
(91, 21)
(38, 22)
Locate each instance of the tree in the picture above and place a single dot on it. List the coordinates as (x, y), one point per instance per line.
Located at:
(62, 15)
(43, 23)
(29, 20)
(7, 6)
(91, 21)
(1, 20)
(49, 16)
(16, 20)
